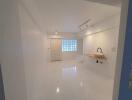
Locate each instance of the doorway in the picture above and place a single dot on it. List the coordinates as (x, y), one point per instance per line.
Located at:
(79, 79)
(55, 49)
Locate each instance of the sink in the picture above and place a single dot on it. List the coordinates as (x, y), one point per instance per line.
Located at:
(97, 56)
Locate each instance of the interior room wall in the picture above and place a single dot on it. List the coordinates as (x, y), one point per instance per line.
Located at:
(1, 29)
(1, 76)
(23, 52)
(106, 37)
(0, 43)
(69, 55)
(80, 46)
(12, 56)
(34, 53)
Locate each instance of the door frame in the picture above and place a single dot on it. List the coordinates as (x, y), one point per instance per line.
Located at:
(51, 41)
(120, 49)
(2, 94)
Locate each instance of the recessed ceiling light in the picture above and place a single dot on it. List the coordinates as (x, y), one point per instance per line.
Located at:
(88, 32)
(57, 90)
(56, 33)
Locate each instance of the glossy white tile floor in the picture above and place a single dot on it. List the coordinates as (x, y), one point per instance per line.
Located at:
(71, 80)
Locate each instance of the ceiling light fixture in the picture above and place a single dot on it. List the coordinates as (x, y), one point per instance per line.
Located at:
(57, 90)
(56, 33)
(88, 32)
(84, 25)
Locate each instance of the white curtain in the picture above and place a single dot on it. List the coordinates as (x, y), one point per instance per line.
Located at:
(55, 49)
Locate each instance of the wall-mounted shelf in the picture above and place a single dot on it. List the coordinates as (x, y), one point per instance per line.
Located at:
(98, 56)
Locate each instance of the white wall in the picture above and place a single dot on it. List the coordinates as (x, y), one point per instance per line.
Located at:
(12, 56)
(23, 52)
(33, 46)
(0, 41)
(80, 46)
(106, 38)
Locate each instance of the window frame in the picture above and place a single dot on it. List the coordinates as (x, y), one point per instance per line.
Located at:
(69, 45)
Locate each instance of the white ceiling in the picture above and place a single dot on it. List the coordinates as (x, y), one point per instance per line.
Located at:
(67, 15)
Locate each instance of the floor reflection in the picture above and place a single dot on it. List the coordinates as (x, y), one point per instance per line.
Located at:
(69, 71)
(70, 80)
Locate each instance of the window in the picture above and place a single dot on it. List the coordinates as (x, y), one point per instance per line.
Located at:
(69, 45)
